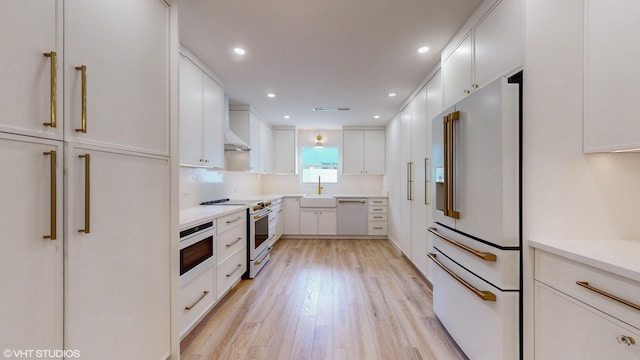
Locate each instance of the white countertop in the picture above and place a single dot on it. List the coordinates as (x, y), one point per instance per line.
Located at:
(335, 195)
(196, 214)
(621, 257)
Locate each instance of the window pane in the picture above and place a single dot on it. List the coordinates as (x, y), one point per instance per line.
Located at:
(322, 162)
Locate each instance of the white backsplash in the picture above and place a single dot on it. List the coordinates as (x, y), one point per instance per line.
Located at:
(198, 185)
(350, 184)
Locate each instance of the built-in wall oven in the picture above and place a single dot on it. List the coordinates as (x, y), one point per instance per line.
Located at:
(196, 250)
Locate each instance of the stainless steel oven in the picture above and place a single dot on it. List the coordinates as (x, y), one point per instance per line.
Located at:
(196, 250)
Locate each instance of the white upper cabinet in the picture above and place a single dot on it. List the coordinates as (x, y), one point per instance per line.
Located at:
(201, 117)
(610, 97)
(266, 143)
(363, 152)
(491, 47)
(116, 63)
(28, 30)
(284, 151)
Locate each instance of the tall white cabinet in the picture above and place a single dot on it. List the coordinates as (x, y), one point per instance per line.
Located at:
(104, 290)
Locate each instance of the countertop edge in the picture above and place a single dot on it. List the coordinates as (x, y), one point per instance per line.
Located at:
(619, 262)
(197, 214)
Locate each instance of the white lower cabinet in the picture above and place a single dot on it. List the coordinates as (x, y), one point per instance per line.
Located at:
(291, 215)
(575, 319)
(377, 216)
(196, 298)
(230, 271)
(117, 282)
(30, 265)
(318, 221)
(569, 329)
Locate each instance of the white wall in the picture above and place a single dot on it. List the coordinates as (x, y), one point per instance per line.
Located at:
(568, 195)
(198, 185)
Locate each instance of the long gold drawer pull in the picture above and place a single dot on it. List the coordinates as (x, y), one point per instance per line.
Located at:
(482, 255)
(234, 220)
(54, 195)
(83, 69)
(585, 284)
(87, 193)
(426, 181)
(234, 271)
(54, 88)
(484, 295)
(233, 243)
(204, 293)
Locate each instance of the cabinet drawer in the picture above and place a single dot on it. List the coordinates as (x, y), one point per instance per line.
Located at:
(228, 221)
(376, 209)
(231, 270)
(485, 330)
(230, 241)
(377, 217)
(378, 201)
(198, 295)
(562, 275)
(568, 329)
(377, 228)
(504, 272)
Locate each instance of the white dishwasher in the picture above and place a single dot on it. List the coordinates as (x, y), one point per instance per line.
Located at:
(352, 216)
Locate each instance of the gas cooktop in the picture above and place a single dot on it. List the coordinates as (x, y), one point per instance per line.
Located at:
(230, 202)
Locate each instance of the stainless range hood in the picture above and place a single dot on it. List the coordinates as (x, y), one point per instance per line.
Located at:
(232, 142)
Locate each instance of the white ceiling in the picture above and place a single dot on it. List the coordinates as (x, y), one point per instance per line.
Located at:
(321, 53)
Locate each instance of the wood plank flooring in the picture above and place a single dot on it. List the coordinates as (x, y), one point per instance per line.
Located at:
(326, 299)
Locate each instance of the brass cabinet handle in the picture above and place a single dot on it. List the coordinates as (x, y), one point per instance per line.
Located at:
(586, 285)
(204, 293)
(426, 181)
(482, 255)
(54, 195)
(54, 88)
(626, 340)
(236, 269)
(83, 69)
(377, 228)
(87, 193)
(377, 217)
(343, 201)
(449, 165)
(410, 181)
(484, 295)
(234, 242)
(234, 220)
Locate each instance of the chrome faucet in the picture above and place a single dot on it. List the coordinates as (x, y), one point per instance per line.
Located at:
(319, 186)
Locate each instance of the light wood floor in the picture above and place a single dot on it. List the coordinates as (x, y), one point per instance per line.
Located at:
(326, 299)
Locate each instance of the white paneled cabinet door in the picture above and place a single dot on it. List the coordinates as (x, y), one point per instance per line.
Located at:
(31, 264)
(308, 221)
(291, 215)
(28, 30)
(457, 72)
(191, 113)
(254, 142)
(404, 232)
(213, 142)
(374, 152)
(420, 142)
(352, 152)
(123, 46)
(284, 146)
(327, 221)
(117, 287)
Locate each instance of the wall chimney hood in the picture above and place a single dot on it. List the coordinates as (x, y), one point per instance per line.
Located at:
(232, 142)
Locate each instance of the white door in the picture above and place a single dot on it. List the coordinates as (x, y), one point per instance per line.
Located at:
(124, 46)
(254, 142)
(327, 222)
(191, 113)
(420, 141)
(404, 232)
(30, 265)
(118, 274)
(434, 107)
(291, 215)
(284, 151)
(213, 126)
(308, 221)
(28, 29)
(352, 151)
(374, 152)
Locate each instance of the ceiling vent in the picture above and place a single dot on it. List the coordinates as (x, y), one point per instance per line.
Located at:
(330, 109)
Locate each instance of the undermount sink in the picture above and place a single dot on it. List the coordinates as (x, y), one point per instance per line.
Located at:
(318, 201)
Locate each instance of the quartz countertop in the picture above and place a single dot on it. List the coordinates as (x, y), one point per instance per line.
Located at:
(196, 214)
(621, 257)
(335, 195)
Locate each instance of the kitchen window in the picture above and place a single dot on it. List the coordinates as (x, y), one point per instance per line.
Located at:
(320, 162)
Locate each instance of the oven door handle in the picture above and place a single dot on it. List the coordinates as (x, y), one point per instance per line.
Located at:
(258, 217)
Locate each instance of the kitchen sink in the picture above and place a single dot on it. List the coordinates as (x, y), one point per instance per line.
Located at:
(318, 201)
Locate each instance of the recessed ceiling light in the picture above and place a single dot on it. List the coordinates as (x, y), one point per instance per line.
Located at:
(423, 49)
(392, 94)
(376, 116)
(239, 51)
(271, 95)
(287, 117)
